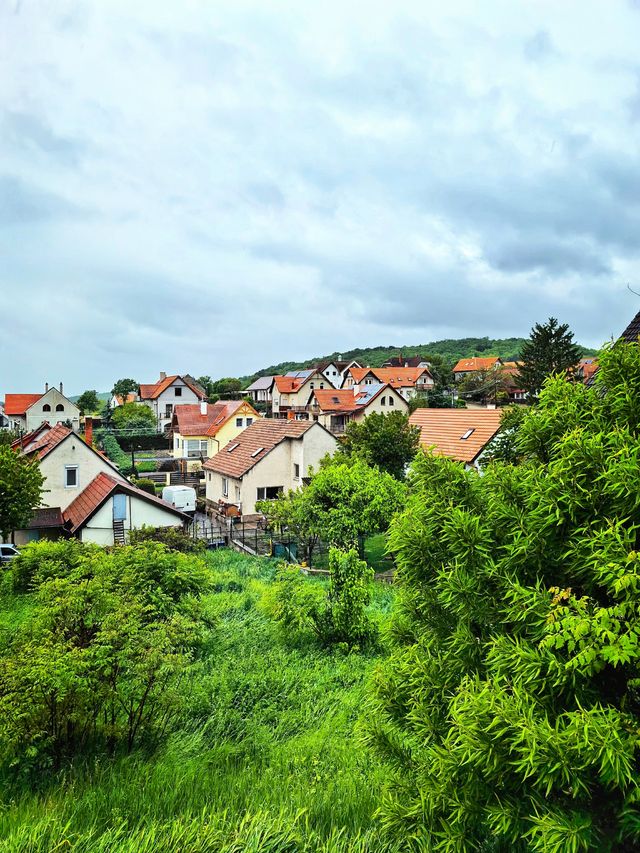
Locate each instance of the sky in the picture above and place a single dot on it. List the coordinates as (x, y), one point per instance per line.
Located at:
(212, 187)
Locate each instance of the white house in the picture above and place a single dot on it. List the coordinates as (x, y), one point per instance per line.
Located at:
(25, 412)
(168, 392)
(260, 390)
(268, 458)
(85, 494)
(407, 381)
(290, 392)
(335, 408)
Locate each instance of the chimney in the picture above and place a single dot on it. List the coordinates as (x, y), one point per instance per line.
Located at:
(203, 408)
(61, 387)
(88, 430)
(162, 376)
(46, 387)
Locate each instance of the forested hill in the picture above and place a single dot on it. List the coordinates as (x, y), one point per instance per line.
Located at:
(451, 349)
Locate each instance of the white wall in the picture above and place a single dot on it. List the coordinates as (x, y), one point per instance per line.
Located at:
(139, 513)
(159, 404)
(36, 414)
(71, 451)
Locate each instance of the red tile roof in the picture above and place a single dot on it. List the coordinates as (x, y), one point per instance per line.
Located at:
(472, 364)
(17, 404)
(345, 400)
(150, 392)
(29, 437)
(188, 419)
(45, 443)
(96, 493)
(442, 430)
(287, 384)
(397, 377)
(253, 444)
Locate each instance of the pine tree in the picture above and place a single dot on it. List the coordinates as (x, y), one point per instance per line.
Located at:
(549, 350)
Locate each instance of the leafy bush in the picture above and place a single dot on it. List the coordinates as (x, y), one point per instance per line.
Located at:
(295, 603)
(145, 467)
(44, 560)
(115, 453)
(170, 537)
(145, 485)
(134, 416)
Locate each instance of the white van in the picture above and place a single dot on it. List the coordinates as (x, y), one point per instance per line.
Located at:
(181, 497)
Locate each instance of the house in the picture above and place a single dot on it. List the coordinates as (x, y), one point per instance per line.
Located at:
(587, 369)
(85, 495)
(406, 361)
(168, 392)
(407, 381)
(290, 392)
(460, 434)
(334, 370)
(260, 390)
(201, 430)
(25, 412)
(510, 373)
(470, 366)
(268, 458)
(335, 408)
(4, 420)
(116, 400)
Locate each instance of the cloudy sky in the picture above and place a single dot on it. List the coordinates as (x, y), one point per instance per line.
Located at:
(215, 186)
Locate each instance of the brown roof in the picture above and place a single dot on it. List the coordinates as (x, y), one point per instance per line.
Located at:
(397, 377)
(17, 404)
(345, 400)
(96, 493)
(471, 364)
(45, 517)
(443, 430)
(45, 443)
(188, 419)
(632, 332)
(150, 392)
(30, 437)
(253, 444)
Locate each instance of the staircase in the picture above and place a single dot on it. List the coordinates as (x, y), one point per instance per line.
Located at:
(118, 532)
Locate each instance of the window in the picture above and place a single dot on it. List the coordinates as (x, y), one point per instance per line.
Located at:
(178, 392)
(256, 452)
(232, 447)
(203, 447)
(168, 410)
(70, 476)
(296, 471)
(391, 401)
(209, 476)
(249, 421)
(225, 487)
(467, 434)
(322, 385)
(312, 386)
(383, 401)
(237, 491)
(269, 493)
(46, 408)
(193, 448)
(238, 422)
(59, 408)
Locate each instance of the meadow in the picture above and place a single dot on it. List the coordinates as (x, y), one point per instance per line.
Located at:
(266, 758)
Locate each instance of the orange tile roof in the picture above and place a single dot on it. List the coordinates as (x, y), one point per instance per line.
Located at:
(95, 494)
(150, 392)
(188, 419)
(50, 440)
(336, 399)
(238, 456)
(17, 404)
(30, 437)
(287, 384)
(471, 364)
(397, 377)
(131, 397)
(442, 430)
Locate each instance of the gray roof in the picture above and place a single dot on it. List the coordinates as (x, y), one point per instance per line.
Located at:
(263, 383)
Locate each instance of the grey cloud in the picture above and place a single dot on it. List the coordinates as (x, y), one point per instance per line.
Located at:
(539, 47)
(552, 257)
(24, 130)
(23, 204)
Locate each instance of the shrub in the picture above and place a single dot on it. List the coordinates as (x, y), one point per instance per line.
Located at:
(170, 537)
(345, 619)
(146, 467)
(116, 454)
(145, 485)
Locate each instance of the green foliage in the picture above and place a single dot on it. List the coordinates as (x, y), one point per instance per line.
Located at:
(21, 487)
(144, 485)
(384, 441)
(510, 710)
(115, 453)
(550, 350)
(171, 537)
(135, 417)
(125, 386)
(106, 655)
(345, 619)
(88, 402)
(504, 446)
(434, 399)
(8, 436)
(342, 503)
(145, 467)
(296, 604)
(490, 385)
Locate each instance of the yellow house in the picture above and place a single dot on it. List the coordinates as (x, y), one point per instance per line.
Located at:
(203, 429)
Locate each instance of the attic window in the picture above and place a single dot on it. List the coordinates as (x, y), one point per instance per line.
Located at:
(467, 434)
(335, 399)
(233, 447)
(255, 452)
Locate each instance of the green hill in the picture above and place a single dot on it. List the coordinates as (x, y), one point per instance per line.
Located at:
(453, 349)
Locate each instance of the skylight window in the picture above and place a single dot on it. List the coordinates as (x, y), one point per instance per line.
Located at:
(467, 434)
(259, 450)
(232, 447)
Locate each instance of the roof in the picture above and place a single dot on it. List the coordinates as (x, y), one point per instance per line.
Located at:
(405, 361)
(397, 377)
(301, 374)
(131, 398)
(90, 499)
(443, 430)
(254, 443)
(287, 384)
(632, 332)
(471, 364)
(17, 404)
(345, 400)
(43, 443)
(45, 517)
(587, 368)
(262, 383)
(150, 392)
(189, 420)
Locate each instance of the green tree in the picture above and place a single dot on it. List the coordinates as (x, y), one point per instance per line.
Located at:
(21, 486)
(490, 385)
(88, 402)
(386, 441)
(442, 371)
(345, 619)
(433, 399)
(227, 388)
(206, 383)
(125, 386)
(550, 350)
(510, 706)
(134, 417)
(504, 446)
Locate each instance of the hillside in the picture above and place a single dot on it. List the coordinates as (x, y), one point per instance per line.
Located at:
(452, 349)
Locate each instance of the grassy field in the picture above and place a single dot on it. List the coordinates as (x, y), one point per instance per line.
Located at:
(265, 760)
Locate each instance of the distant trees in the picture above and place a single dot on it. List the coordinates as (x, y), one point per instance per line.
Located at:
(385, 441)
(221, 389)
(123, 387)
(135, 417)
(88, 402)
(509, 710)
(549, 350)
(21, 487)
(490, 385)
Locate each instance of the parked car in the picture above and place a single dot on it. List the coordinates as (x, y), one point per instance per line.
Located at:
(7, 553)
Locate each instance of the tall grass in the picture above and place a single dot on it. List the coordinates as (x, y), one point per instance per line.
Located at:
(265, 759)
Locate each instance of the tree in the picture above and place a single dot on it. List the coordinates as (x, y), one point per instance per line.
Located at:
(88, 402)
(386, 441)
(227, 388)
(504, 446)
(550, 350)
(510, 706)
(441, 370)
(342, 503)
(123, 387)
(433, 399)
(135, 417)
(491, 385)
(206, 383)
(20, 490)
